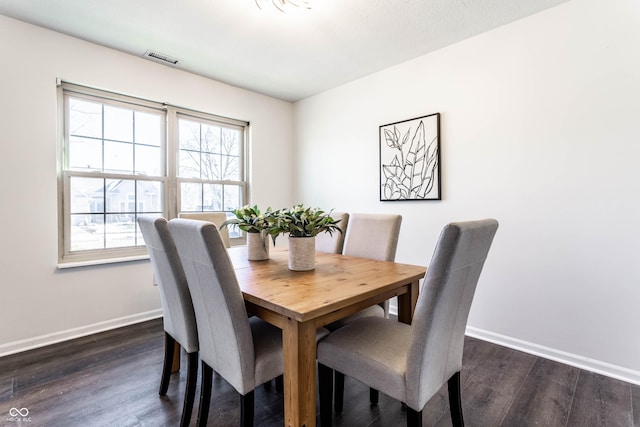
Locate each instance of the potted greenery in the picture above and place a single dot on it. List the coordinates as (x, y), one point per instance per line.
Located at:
(257, 225)
(302, 225)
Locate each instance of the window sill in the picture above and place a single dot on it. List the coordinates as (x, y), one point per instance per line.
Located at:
(88, 263)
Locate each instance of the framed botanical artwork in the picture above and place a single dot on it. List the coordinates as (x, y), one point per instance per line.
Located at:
(410, 159)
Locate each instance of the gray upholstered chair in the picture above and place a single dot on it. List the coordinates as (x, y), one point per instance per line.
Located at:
(214, 217)
(245, 351)
(373, 236)
(333, 242)
(412, 362)
(178, 315)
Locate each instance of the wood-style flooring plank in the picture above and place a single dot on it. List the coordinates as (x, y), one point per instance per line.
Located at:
(112, 379)
(601, 401)
(491, 391)
(357, 407)
(635, 404)
(6, 388)
(545, 397)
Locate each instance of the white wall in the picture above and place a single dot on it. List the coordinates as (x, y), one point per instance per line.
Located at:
(38, 302)
(540, 130)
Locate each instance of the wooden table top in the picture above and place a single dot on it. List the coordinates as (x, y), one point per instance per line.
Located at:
(338, 281)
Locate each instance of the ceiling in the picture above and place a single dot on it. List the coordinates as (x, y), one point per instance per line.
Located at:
(285, 55)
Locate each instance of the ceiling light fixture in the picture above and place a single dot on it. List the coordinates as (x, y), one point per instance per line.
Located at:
(284, 5)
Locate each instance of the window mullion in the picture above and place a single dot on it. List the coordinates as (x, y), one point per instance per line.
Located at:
(172, 191)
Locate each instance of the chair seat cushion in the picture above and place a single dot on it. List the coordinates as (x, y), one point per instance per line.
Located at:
(267, 344)
(372, 350)
(374, 310)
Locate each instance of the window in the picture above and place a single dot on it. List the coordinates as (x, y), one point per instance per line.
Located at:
(114, 167)
(209, 166)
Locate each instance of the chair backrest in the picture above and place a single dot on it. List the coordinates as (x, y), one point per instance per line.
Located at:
(440, 317)
(216, 218)
(334, 242)
(178, 314)
(373, 236)
(226, 342)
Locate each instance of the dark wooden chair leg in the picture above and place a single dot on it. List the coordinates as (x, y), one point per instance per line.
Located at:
(246, 409)
(455, 400)
(205, 395)
(169, 345)
(414, 418)
(374, 395)
(279, 383)
(338, 398)
(325, 385)
(190, 389)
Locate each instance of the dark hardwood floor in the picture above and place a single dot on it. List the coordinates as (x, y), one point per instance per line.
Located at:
(112, 379)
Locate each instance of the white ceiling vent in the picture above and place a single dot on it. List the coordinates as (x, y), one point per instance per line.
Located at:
(160, 57)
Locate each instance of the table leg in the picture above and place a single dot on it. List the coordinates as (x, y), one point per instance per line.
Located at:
(299, 349)
(407, 303)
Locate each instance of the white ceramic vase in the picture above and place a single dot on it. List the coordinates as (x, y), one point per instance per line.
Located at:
(257, 246)
(302, 253)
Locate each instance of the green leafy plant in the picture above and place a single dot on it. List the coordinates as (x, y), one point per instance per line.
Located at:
(250, 219)
(302, 222)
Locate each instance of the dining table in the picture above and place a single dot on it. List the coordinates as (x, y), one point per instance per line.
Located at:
(299, 302)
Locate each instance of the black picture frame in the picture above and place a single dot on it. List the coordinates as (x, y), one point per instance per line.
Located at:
(410, 159)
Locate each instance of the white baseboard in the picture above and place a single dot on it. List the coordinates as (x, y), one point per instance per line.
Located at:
(582, 362)
(571, 359)
(57, 337)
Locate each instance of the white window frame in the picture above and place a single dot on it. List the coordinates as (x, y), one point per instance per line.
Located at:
(242, 183)
(169, 179)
